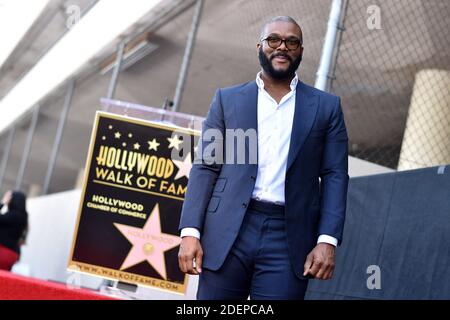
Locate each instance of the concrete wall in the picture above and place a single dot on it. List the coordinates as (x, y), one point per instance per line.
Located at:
(358, 168)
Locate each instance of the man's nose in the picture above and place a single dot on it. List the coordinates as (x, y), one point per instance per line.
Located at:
(283, 46)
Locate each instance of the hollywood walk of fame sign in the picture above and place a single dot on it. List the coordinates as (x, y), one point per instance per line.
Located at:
(134, 187)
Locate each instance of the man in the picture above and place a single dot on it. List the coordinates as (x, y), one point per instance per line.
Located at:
(264, 229)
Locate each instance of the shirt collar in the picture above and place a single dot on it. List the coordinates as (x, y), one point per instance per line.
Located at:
(260, 81)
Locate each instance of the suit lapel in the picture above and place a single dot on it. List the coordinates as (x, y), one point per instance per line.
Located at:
(306, 106)
(246, 107)
(247, 115)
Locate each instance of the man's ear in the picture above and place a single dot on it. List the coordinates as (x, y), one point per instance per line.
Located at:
(258, 45)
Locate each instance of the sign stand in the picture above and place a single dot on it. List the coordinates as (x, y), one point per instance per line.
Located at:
(158, 115)
(171, 121)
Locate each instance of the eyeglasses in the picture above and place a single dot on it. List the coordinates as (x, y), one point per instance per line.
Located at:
(291, 43)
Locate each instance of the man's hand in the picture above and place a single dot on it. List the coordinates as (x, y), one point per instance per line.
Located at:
(7, 197)
(190, 253)
(320, 262)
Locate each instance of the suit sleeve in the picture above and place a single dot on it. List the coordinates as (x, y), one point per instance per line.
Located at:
(206, 167)
(334, 176)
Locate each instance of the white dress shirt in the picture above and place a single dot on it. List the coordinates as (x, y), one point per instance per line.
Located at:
(274, 135)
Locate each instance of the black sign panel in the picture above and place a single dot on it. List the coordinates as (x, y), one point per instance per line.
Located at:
(131, 201)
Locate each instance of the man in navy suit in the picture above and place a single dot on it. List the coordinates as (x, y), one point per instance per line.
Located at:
(263, 228)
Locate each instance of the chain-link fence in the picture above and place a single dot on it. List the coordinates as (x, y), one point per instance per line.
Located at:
(225, 52)
(393, 74)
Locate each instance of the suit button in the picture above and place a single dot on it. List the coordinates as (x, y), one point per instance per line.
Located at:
(253, 177)
(244, 205)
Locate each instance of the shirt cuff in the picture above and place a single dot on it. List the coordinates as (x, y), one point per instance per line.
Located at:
(190, 232)
(323, 238)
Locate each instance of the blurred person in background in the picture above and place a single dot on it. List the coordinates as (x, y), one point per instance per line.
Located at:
(13, 228)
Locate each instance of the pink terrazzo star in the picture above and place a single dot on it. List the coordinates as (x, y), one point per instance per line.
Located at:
(149, 243)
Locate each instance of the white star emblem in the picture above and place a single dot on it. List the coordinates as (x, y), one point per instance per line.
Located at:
(184, 167)
(153, 145)
(174, 142)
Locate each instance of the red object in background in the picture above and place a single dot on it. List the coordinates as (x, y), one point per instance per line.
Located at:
(7, 258)
(15, 287)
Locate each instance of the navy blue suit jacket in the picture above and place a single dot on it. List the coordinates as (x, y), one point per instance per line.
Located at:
(315, 184)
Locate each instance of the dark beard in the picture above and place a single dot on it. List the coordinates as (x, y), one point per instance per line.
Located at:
(267, 66)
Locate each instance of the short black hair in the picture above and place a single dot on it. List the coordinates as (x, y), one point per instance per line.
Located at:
(18, 201)
(283, 19)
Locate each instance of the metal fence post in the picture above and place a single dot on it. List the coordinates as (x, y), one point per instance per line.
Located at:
(59, 134)
(26, 149)
(187, 55)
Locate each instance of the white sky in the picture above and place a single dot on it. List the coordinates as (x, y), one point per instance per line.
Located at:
(17, 15)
